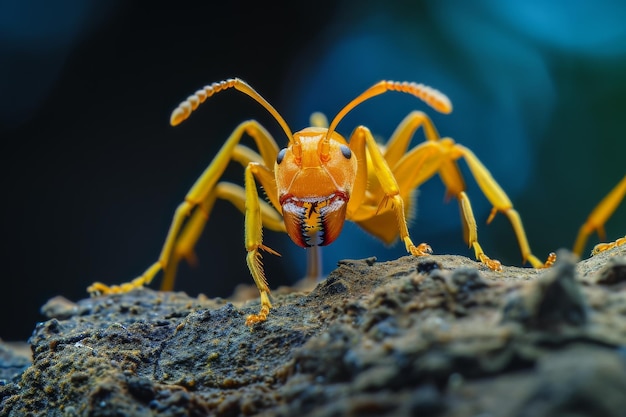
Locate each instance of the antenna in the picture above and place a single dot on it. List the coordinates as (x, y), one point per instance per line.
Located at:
(434, 98)
(184, 109)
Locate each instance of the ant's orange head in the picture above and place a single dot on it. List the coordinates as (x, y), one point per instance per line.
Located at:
(314, 178)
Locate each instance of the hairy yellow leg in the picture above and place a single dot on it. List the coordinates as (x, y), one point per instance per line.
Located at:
(398, 143)
(429, 158)
(361, 140)
(395, 152)
(186, 242)
(420, 164)
(598, 217)
(471, 231)
(254, 242)
(415, 168)
(501, 203)
(196, 196)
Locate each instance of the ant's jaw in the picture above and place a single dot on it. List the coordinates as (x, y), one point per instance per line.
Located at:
(314, 221)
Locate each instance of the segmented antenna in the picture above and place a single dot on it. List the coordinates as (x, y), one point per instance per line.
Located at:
(434, 98)
(191, 103)
(431, 96)
(184, 109)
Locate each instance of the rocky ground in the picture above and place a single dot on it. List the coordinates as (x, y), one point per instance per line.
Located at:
(434, 336)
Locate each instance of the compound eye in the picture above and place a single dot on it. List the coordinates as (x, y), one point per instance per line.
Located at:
(281, 156)
(345, 151)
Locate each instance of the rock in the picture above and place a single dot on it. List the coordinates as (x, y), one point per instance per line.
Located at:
(436, 336)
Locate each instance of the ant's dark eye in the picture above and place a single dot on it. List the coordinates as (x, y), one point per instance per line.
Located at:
(281, 156)
(345, 151)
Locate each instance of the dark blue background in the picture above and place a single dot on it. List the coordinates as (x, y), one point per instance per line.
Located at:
(92, 171)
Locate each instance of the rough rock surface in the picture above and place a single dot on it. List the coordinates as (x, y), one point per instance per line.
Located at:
(434, 336)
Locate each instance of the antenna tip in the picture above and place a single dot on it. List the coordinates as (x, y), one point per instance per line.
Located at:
(179, 114)
(443, 105)
(435, 99)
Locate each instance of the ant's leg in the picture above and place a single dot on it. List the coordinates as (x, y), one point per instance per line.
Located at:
(429, 158)
(253, 243)
(397, 145)
(501, 203)
(186, 242)
(360, 142)
(196, 196)
(598, 217)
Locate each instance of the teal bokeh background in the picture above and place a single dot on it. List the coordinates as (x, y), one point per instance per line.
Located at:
(92, 172)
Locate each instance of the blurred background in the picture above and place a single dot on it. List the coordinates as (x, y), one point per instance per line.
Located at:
(92, 171)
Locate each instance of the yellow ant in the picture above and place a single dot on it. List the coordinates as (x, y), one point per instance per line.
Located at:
(320, 179)
(598, 217)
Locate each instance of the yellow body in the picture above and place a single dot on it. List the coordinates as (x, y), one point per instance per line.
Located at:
(321, 179)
